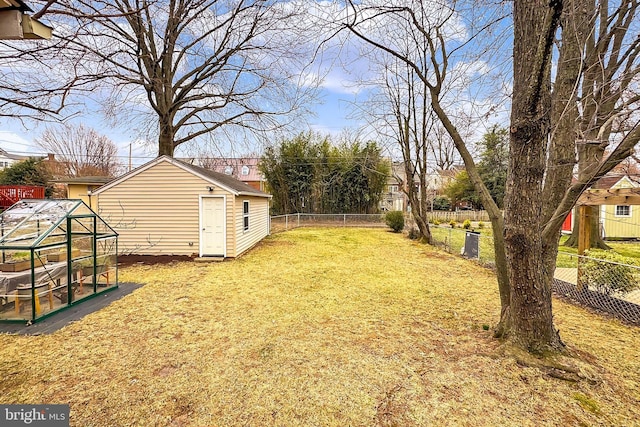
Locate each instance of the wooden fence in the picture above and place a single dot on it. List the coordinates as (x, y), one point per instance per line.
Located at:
(459, 216)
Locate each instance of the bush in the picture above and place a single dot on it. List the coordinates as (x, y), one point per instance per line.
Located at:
(441, 203)
(609, 273)
(395, 220)
(436, 221)
(481, 225)
(466, 224)
(452, 223)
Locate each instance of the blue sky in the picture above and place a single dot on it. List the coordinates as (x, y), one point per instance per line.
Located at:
(331, 117)
(341, 67)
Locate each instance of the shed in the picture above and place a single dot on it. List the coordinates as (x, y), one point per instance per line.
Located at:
(169, 207)
(618, 198)
(81, 187)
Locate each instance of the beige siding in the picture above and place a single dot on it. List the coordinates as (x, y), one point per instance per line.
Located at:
(157, 211)
(620, 227)
(258, 222)
(79, 191)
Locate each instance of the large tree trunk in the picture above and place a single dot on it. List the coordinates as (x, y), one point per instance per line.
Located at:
(419, 213)
(595, 238)
(165, 140)
(531, 319)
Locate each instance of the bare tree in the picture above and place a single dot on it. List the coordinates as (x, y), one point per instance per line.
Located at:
(29, 87)
(399, 108)
(442, 148)
(608, 97)
(410, 123)
(429, 61)
(526, 238)
(179, 71)
(80, 151)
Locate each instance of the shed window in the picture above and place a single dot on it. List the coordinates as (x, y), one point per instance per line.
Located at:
(623, 210)
(228, 170)
(245, 170)
(245, 215)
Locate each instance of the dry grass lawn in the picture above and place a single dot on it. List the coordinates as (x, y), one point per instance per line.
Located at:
(318, 327)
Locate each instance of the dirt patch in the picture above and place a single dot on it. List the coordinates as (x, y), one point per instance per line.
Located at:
(126, 260)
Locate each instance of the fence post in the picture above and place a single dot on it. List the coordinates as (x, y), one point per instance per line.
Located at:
(344, 220)
(286, 222)
(298, 219)
(584, 239)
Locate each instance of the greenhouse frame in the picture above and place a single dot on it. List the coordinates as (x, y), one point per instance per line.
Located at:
(55, 254)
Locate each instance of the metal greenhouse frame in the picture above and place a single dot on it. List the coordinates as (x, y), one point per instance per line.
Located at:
(55, 254)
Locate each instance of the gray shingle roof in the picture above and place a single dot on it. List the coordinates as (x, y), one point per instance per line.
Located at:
(226, 180)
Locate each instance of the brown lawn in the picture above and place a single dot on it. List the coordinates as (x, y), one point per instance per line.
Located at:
(318, 327)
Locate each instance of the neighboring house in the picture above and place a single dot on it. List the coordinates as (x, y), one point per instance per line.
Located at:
(168, 206)
(447, 176)
(82, 187)
(243, 169)
(395, 199)
(7, 159)
(619, 221)
(616, 221)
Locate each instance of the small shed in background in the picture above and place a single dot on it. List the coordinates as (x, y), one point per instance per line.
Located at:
(169, 207)
(81, 187)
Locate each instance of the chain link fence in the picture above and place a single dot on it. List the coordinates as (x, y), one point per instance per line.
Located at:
(290, 221)
(608, 286)
(605, 285)
(458, 240)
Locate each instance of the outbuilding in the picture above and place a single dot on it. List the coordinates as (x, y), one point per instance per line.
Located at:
(169, 207)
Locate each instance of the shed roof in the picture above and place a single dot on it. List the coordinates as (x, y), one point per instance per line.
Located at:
(610, 181)
(88, 180)
(223, 181)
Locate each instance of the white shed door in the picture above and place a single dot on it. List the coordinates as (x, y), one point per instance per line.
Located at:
(212, 234)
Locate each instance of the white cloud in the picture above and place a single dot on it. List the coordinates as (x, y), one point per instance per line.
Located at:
(16, 144)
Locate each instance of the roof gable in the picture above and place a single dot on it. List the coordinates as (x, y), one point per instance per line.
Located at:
(625, 182)
(611, 182)
(223, 181)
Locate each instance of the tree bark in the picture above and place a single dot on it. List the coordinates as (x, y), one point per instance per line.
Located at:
(595, 240)
(166, 144)
(530, 311)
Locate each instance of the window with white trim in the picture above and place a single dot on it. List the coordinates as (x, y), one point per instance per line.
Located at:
(245, 215)
(245, 170)
(623, 210)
